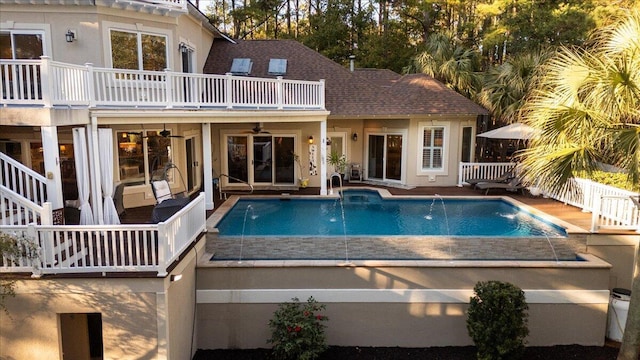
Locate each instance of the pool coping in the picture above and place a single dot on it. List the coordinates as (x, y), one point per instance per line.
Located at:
(587, 261)
(221, 211)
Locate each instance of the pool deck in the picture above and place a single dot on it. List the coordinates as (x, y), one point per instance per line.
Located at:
(568, 213)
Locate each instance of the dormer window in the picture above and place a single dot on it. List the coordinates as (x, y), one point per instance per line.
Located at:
(277, 66)
(241, 66)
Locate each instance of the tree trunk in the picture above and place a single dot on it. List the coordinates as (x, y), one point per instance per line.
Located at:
(630, 348)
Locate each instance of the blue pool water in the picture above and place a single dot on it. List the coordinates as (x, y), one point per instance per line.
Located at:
(366, 213)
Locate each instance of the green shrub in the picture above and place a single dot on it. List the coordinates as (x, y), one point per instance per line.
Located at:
(497, 320)
(297, 332)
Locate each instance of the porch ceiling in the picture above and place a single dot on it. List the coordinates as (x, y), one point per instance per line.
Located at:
(118, 117)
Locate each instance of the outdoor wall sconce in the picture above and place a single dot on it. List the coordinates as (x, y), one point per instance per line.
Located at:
(174, 278)
(354, 137)
(310, 139)
(70, 36)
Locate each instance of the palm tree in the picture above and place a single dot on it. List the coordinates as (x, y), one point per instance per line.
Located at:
(447, 60)
(506, 85)
(587, 107)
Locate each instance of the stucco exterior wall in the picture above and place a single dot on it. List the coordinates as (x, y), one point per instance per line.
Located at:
(31, 328)
(91, 24)
(417, 304)
(621, 251)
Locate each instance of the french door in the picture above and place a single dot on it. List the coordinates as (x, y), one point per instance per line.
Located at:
(260, 159)
(384, 156)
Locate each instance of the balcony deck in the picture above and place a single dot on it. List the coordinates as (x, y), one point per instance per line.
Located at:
(47, 83)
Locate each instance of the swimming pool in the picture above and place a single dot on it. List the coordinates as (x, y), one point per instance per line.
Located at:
(366, 213)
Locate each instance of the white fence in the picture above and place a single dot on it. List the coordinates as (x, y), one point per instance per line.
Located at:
(612, 208)
(467, 171)
(108, 248)
(50, 83)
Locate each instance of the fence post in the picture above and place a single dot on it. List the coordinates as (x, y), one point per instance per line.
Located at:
(279, 92)
(162, 249)
(46, 217)
(46, 83)
(168, 79)
(595, 214)
(36, 264)
(228, 90)
(321, 95)
(91, 91)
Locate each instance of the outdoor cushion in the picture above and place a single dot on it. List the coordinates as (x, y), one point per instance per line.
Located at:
(161, 190)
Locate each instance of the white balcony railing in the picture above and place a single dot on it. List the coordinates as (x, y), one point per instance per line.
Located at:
(49, 83)
(611, 207)
(108, 248)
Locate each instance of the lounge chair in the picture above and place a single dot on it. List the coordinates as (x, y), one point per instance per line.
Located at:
(504, 178)
(514, 184)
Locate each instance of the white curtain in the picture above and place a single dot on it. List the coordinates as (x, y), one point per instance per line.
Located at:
(105, 147)
(82, 175)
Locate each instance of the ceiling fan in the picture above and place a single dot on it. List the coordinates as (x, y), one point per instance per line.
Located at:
(257, 130)
(164, 133)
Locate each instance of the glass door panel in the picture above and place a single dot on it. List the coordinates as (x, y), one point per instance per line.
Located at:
(376, 157)
(237, 158)
(284, 162)
(262, 159)
(394, 157)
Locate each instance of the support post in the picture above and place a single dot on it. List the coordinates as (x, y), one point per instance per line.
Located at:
(323, 157)
(51, 156)
(207, 167)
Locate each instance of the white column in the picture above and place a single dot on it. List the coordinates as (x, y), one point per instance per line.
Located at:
(51, 155)
(323, 157)
(207, 166)
(94, 171)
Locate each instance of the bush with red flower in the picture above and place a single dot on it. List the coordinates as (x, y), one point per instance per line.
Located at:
(297, 331)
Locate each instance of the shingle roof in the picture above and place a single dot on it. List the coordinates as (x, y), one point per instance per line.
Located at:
(362, 93)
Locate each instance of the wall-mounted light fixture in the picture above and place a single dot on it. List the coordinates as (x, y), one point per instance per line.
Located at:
(70, 36)
(176, 277)
(310, 139)
(354, 137)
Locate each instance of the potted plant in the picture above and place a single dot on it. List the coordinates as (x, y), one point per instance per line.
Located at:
(338, 161)
(303, 181)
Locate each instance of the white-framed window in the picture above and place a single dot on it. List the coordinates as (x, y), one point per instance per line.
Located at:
(22, 44)
(136, 50)
(433, 148)
(143, 154)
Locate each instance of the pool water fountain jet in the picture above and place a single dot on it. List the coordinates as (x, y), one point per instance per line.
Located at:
(344, 228)
(244, 223)
(446, 219)
(552, 248)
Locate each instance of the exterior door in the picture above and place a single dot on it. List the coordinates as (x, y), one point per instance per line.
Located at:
(384, 153)
(270, 162)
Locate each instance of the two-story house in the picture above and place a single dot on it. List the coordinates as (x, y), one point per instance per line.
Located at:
(95, 94)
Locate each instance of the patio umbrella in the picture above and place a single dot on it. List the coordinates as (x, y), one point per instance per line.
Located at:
(516, 131)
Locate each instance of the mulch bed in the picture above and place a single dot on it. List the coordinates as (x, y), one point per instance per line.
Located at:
(564, 352)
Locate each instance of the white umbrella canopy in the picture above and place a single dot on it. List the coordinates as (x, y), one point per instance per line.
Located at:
(516, 131)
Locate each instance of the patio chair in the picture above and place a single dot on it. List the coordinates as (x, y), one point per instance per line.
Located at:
(504, 178)
(515, 184)
(168, 203)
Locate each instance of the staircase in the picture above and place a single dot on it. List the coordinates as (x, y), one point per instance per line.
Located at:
(22, 194)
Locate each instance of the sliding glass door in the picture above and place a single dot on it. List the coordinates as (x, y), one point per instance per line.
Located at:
(384, 153)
